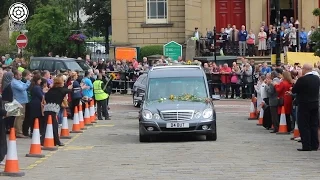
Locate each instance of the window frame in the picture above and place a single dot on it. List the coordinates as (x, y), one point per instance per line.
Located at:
(157, 21)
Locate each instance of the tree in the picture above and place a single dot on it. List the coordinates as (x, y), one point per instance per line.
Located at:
(315, 36)
(48, 31)
(99, 12)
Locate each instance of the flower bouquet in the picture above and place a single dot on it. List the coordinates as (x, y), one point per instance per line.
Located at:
(13, 108)
(78, 38)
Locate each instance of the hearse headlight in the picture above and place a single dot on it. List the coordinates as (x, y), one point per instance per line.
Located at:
(207, 113)
(156, 116)
(146, 114)
(197, 115)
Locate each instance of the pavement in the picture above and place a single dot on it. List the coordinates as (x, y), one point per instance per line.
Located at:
(110, 150)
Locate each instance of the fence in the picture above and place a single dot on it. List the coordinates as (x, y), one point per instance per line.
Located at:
(244, 88)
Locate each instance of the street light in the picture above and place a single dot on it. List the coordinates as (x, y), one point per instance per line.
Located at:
(78, 28)
(278, 42)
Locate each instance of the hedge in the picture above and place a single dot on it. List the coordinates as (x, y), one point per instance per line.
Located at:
(151, 50)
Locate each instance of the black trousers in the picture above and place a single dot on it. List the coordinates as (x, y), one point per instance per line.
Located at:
(250, 49)
(308, 122)
(74, 103)
(303, 47)
(274, 117)
(54, 127)
(102, 109)
(27, 123)
(3, 139)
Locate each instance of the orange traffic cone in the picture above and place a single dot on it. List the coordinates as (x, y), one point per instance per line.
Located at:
(296, 132)
(87, 120)
(92, 112)
(260, 121)
(49, 140)
(12, 163)
(252, 115)
(81, 121)
(64, 133)
(76, 125)
(35, 148)
(283, 123)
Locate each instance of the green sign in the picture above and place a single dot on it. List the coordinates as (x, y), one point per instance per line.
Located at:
(173, 50)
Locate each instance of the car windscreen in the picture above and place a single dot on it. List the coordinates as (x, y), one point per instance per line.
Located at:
(177, 86)
(83, 65)
(73, 66)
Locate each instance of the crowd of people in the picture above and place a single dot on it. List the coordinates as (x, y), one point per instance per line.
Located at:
(243, 42)
(42, 95)
(296, 89)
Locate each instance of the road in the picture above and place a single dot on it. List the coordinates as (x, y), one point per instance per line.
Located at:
(110, 150)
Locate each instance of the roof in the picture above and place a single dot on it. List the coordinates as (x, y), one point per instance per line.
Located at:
(176, 71)
(52, 58)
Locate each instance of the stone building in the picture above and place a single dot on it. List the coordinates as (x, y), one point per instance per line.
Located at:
(143, 22)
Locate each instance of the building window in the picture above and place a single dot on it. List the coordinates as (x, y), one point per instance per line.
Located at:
(157, 11)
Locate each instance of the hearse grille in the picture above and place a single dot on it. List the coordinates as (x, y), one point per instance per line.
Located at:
(177, 115)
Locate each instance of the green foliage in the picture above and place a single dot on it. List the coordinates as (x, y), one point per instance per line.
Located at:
(13, 38)
(4, 6)
(316, 12)
(96, 39)
(99, 12)
(151, 50)
(8, 49)
(48, 31)
(315, 36)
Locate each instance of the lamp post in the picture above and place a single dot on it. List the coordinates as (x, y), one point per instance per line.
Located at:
(78, 28)
(278, 42)
(297, 35)
(214, 44)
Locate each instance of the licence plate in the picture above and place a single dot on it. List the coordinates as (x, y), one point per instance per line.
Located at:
(178, 125)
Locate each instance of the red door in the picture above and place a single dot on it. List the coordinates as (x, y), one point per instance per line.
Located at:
(230, 12)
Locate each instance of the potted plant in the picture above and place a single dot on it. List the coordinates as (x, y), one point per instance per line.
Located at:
(78, 38)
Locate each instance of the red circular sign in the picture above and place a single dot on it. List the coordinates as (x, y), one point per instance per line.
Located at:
(22, 41)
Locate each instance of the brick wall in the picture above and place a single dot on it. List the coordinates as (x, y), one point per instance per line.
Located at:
(139, 36)
(4, 33)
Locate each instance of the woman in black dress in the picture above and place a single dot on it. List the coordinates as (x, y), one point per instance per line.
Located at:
(37, 97)
(53, 99)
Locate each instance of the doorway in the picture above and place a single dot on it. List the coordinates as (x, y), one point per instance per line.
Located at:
(288, 8)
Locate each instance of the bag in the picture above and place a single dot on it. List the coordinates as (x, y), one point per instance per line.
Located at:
(65, 103)
(234, 79)
(280, 102)
(250, 41)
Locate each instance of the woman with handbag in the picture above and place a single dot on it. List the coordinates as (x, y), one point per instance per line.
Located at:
(285, 99)
(54, 98)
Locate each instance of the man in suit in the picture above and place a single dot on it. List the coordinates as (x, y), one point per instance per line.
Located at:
(234, 39)
(273, 99)
(307, 92)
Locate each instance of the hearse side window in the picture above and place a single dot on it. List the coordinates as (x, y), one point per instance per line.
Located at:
(34, 64)
(47, 65)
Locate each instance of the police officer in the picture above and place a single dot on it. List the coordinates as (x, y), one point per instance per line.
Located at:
(101, 98)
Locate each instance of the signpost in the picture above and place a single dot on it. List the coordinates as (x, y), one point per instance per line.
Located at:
(172, 50)
(22, 41)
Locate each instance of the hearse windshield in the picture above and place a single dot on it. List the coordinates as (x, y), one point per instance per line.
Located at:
(177, 86)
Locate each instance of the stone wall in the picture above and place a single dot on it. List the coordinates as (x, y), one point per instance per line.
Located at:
(4, 32)
(140, 34)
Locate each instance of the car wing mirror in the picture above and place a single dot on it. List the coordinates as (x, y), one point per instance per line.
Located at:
(215, 97)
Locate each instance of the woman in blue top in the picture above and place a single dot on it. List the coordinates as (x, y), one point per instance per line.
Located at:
(76, 94)
(37, 98)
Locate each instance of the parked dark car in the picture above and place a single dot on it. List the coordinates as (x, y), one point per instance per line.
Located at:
(53, 64)
(83, 64)
(177, 100)
(138, 90)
